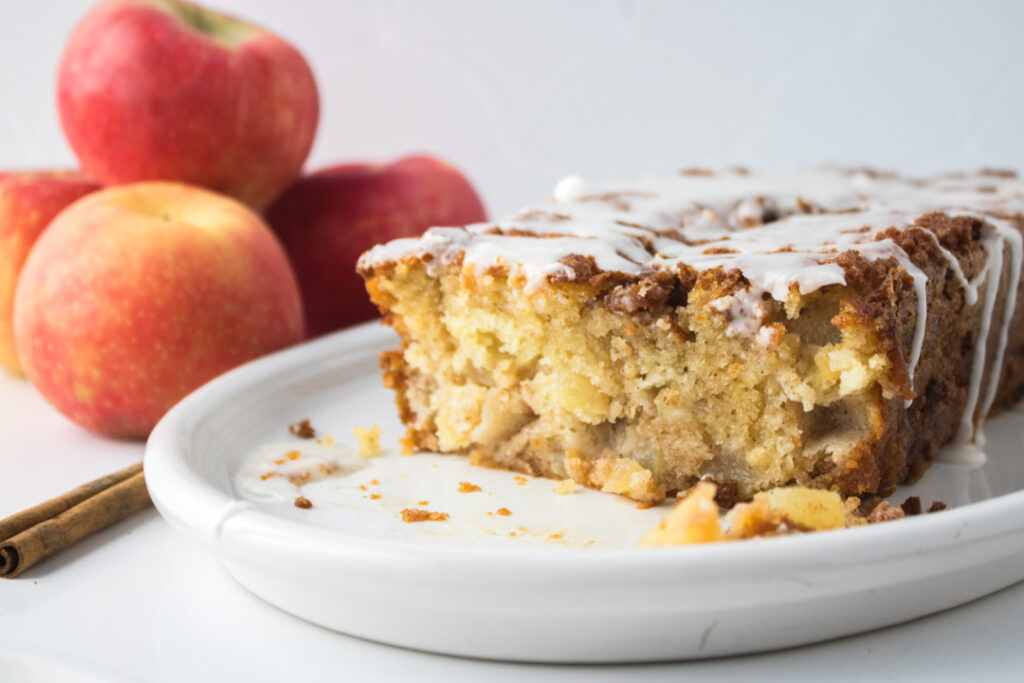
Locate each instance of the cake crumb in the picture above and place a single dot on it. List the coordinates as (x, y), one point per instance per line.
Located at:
(521, 481)
(374, 482)
(362, 487)
(290, 455)
(885, 512)
(565, 487)
(776, 512)
(423, 502)
(368, 441)
(466, 487)
(375, 496)
(326, 440)
(555, 536)
(937, 506)
(415, 515)
(511, 533)
(911, 506)
(303, 503)
(302, 429)
(504, 512)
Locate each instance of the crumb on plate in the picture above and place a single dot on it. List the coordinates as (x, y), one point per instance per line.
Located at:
(290, 455)
(565, 487)
(466, 487)
(368, 441)
(302, 429)
(416, 515)
(504, 512)
(303, 503)
(775, 512)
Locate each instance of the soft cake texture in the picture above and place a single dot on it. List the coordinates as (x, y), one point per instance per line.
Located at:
(830, 329)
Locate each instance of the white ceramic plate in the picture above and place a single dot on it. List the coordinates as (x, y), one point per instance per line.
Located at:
(469, 587)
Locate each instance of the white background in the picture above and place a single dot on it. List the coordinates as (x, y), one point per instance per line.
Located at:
(519, 94)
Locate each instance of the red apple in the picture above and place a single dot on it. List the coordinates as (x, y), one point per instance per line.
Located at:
(168, 90)
(28, 202)
(137, 294)
(327, 219)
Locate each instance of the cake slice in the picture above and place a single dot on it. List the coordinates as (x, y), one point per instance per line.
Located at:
(829, 328)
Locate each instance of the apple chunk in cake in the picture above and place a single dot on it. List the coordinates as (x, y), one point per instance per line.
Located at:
(831, 328)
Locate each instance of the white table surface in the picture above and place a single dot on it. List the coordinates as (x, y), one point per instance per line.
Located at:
(138, 602)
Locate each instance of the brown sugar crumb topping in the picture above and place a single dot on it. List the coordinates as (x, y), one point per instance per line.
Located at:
(466, 487)
(416, 515)
(303, 503)
(504, 512)
(937, 506)
(302, 429)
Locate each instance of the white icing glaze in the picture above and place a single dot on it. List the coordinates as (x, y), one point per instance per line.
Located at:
(956, 453)
(970, 288)
(992, 273)
(744, 312)
(712, 220)
(1011, 237)
(570, 188)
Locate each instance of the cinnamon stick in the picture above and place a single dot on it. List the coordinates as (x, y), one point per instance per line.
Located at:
(37, 533)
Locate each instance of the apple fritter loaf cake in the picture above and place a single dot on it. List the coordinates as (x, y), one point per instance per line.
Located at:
(829, 328)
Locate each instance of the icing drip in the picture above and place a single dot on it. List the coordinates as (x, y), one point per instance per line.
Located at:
(921, 321)
(1011, 237)
(991, 274)
(782, 230)
(970, 288)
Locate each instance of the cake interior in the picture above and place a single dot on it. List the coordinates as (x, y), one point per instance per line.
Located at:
(639, 402)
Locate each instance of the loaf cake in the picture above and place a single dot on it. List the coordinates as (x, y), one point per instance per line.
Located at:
(828, 328)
